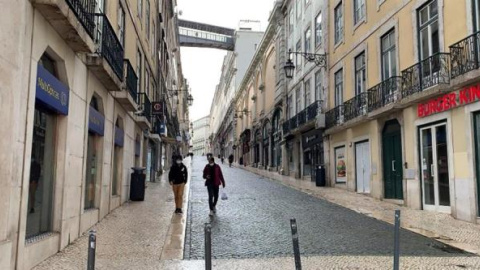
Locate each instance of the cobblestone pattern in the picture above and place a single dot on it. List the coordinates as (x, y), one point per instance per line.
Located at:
(254, 222)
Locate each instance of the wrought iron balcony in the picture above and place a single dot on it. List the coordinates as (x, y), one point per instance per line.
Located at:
(146, 106)
(293, 123)
(312, 111)
(301, 118)
(334, 116)
(432, 71)
(286, 127)
(355, 106)
(465, 55)
(84, 10)
(108, 44)
(384, 93)
(131, 80)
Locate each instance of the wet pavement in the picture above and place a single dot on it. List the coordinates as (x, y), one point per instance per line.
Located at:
(255, 222)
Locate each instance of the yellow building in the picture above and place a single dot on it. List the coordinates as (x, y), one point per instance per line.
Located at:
(403, 120)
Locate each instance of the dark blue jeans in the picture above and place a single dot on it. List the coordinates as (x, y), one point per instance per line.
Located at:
(212, 195)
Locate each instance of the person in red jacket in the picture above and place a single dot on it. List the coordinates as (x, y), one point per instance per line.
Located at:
(213, 179)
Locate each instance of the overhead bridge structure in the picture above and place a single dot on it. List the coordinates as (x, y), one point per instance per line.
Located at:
(194, 34)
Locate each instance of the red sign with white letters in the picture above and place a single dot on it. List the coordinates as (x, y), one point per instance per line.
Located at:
(449, 101)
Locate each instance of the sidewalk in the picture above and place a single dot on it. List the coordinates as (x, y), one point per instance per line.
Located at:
(134, 236)
(440, 226)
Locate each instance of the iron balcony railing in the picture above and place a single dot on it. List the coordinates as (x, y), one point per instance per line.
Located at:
(286, 127)
(429, 72)
(384, 93)
(312, 111)
(131, 80)
(84, 10)
(293, 123)
(109, 45)
(334, 116)
(355, 106)
(146, 106)
(465, 55)
(301, 118)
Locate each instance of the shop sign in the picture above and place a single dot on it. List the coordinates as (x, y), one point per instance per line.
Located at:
(340, 165)
(449, 101)
(51, 92)
(157, 108)
(119, 136)
(96, 122)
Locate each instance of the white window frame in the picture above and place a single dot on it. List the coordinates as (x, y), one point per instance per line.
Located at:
(359, 11)
(338, 80)
(307, 92)
(360, 73)
(318, 30)
(338, 23)
(121, 25)
(308, 40)
(318, 85)
(388, 55)
(140, 9)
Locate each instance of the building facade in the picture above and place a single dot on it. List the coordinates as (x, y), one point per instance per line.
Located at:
(395, 103)
(82, 76)
(235, 64)
(201, 131)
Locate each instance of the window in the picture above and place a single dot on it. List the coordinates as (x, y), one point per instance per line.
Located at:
(318, 30)
(338, 23)
(358, 11)
(308, 40)
(298, 59)
(298, 95)
(476, 17)
(139, 70)
(307, 93)
(121, 25)
(140, 8)
(360, 73)
(389, 62)
(49, 64)
(299, 8)
(290, 22)
(428, 30)
(339, 88)
(147, 18)
(318, 85)
(147, 80)
(290, 106)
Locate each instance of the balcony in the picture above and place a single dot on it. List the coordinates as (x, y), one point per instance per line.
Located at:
(128, 96)
(144, 115)
(384, 93)
(334, 117)
(464, 58)
(356, 106)
(302, 118)
(73, 20)
(107, 63)
(426, 78)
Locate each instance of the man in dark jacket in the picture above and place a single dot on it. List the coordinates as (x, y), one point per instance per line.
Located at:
(213, 179)
(178, 177)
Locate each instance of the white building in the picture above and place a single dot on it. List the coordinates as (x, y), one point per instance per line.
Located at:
(201, 131)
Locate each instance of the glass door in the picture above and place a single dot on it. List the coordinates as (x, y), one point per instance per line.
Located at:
(434, 167)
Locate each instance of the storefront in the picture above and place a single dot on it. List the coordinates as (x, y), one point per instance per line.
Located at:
(117, 159)
(312, 143)
(52, 100)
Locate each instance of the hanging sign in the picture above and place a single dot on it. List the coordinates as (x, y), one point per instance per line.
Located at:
(157, 108)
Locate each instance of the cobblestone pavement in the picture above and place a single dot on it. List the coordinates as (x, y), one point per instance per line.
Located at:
(254, 222)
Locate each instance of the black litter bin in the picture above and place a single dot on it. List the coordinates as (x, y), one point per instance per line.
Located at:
(137, 184)
(320, 180)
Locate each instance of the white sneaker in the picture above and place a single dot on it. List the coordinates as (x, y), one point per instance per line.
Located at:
(211, 213)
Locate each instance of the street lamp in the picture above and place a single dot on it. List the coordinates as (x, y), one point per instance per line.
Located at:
(190, 100)
(320, 60)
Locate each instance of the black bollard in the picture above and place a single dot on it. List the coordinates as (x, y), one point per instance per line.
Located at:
(296, 247)
(396, 255)
(92, 242)
(208, 246)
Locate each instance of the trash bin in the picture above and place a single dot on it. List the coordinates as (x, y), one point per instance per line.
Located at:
(320, 180)
(137, 184)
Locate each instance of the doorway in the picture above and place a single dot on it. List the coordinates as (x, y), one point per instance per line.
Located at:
(362, 166)
(434, 168)
(476, 121)
(392, 160)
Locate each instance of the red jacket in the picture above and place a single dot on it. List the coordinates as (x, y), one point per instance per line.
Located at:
(218, 179)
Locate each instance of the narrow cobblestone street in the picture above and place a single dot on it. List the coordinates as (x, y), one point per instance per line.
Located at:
(254, 222)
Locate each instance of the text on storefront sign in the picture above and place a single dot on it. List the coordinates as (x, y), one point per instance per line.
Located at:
(449, 101)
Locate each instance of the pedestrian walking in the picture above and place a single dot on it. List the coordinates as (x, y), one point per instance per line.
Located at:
(230, 160)
(178, 177)
(213, 179)
(223, 158)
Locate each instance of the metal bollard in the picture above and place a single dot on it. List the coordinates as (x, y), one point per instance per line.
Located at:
(208, 246)
(296, 248)
(92, 242)
(396, 252)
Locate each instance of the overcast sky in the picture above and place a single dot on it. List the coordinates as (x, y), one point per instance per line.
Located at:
(202, 67)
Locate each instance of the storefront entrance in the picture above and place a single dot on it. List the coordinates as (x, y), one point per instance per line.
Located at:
(434, 168)
(392, 160)
(476, 120)
(362, 166)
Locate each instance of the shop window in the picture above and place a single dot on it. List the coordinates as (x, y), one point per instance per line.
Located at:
(117, 160)
(92, 184)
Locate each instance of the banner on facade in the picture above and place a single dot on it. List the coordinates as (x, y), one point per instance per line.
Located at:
(96, 122)
(51, 92)
(340, 165)
(119, 136)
